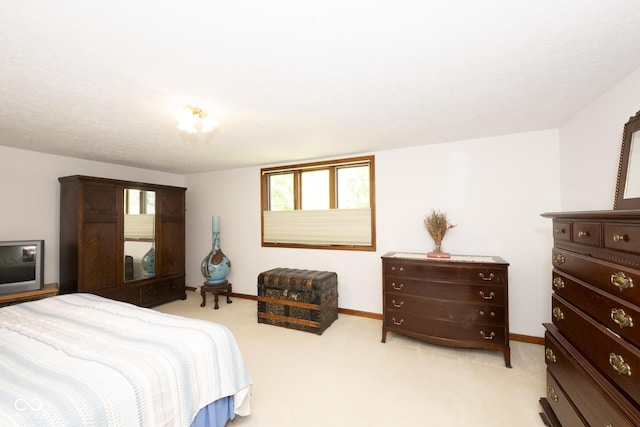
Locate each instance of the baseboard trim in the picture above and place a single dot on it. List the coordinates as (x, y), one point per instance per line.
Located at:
(378, 316)
(526, 338)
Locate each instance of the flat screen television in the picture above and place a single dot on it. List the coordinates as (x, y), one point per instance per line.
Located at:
(21, 266)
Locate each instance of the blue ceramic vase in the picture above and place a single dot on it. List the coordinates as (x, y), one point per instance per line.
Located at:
(149, 261)
(216, 265)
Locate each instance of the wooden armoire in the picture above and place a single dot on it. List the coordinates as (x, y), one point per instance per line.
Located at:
(96, 250)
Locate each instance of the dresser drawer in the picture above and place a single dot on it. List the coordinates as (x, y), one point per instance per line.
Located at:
(494, 294)
(150, 294)
(617, 359)
(620, 316)
(446, 309)
(622, 237)
(623, 282)
(121, 293)
(561, 405)
(562, 230)
(443, 328)
(446, 271)
(586, 233)
(589, 399)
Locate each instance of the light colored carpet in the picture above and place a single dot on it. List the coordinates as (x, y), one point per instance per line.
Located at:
(347, 377)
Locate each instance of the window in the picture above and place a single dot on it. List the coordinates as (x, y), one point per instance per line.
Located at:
(139, 201)
(329, 205)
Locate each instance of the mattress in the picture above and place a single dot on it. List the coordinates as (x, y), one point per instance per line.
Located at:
(80, 359)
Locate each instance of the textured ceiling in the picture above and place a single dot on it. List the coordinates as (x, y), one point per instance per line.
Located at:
(296, 80)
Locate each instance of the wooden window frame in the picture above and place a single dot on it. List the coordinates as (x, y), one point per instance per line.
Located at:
(332, 166)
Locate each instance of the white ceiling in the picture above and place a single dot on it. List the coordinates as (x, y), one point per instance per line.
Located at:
(293, 80)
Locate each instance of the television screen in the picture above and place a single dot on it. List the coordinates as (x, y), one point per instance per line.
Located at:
(21, 266)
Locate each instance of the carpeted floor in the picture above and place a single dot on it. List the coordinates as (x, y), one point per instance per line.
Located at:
(347, 377)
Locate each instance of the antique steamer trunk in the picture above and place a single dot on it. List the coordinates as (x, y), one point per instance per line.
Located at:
(306, 300)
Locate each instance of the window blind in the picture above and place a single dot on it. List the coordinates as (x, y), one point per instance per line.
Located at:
(318, 227)
(139, 226)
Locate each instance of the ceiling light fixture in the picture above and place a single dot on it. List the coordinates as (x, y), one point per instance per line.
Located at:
(195, 120)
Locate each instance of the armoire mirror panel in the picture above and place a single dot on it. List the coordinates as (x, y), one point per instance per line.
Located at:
(139, 233)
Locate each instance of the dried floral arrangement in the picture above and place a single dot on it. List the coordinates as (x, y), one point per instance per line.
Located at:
(437, 226)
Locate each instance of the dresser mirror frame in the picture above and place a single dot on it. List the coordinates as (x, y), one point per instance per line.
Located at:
(628, 180)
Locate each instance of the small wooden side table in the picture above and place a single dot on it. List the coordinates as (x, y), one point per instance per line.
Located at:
(215, 289)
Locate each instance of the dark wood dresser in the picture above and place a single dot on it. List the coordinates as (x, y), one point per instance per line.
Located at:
(592, 354)
(457, 302)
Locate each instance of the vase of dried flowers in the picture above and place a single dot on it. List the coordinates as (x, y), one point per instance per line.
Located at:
(437, 225)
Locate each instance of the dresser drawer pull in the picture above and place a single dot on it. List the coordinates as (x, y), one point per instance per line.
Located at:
(397, 304)
(621, 281)
(583, 234)
(559, 231)
(397, 322)
(558, 314)
(492, 314)
(558, 283)
(486, 278)
(551, 394)
(558, 259)
(397, 287)
(621, 318)
(490, 296)
(617, 363)
(400, 269)
(550, 356)
(620, 237)
(491, 336)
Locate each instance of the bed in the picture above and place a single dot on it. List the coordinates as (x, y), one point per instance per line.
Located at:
(80, 359)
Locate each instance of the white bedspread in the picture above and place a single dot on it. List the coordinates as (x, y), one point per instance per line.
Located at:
(83, 360)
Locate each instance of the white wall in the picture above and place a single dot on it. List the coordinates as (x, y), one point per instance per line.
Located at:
(590, 145)
(30, 195)
(494, 189)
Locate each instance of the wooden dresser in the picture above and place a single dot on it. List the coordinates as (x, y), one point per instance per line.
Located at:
(457, 302)
(592, 354)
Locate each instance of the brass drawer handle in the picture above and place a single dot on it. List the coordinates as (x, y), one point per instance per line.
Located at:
(397, 322)
(621, 318)
(551, 394)
(549, 355)
(491, 336)
(397, 287)
(558, 314)
(486, 278)
(558, 259)
(397, 304)
(620, 237)
(583, 234)
(492, 314)
(490, 296)
(558, 283)
(559, 231)
(617, 363)
(394, 268)
(621, 281)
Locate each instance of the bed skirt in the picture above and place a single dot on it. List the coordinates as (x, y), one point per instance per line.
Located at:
(218, 413)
